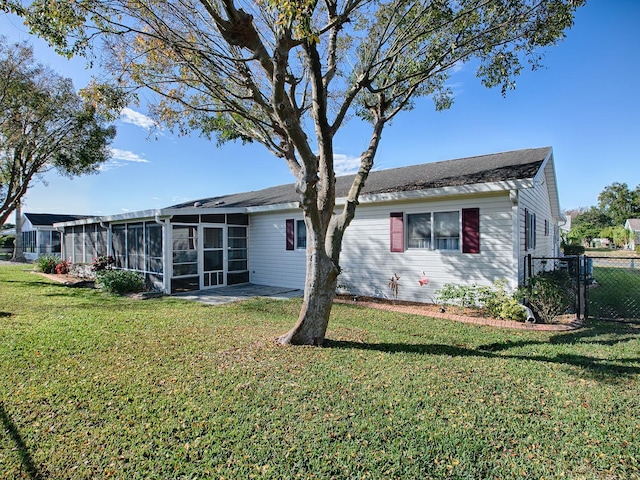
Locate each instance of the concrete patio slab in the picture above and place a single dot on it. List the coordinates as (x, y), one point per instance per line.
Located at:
(235, 293)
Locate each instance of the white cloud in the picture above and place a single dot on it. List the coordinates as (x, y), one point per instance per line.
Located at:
(344, 164)
(110, 165)
(119, 158)
(136, 118)
(127, 156)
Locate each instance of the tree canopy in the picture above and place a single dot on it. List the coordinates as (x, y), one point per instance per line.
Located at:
(616, 203)
(619, 202)
(44, 125)
(289, 74)
(588, 225)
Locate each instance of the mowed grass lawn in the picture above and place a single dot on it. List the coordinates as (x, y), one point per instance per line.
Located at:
(100, 386)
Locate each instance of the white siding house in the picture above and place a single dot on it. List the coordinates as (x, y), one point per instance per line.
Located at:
(462, 221)
(39, 237)
(633, 226)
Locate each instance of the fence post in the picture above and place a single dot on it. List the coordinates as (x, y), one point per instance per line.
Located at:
(578, 286)
(582, 292)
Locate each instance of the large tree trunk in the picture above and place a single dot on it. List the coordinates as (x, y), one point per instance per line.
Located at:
(324, 245)
(18, 255)
(320, 289)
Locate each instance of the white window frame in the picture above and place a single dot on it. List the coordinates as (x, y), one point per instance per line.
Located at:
(432, 242)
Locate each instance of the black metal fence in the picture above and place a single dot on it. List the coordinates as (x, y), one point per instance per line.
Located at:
(575, 269)
(613, 287)
(602, 287)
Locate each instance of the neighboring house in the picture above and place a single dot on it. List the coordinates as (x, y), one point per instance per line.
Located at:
(471, 220)
(39, 237)
(633, 224)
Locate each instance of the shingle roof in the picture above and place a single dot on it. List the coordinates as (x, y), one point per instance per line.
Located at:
(42, 219)
(514, 165)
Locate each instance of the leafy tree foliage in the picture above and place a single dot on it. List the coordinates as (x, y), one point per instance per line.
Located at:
(619, 202)
(619, 235)
(288, 74)
(616, 204)
(44, 125)
(588, 225)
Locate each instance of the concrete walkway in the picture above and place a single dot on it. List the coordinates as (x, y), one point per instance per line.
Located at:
(234, 293)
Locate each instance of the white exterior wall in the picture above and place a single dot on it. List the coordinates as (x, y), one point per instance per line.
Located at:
(368, 263)
(270, 263)
(536, 200)
(27, 226)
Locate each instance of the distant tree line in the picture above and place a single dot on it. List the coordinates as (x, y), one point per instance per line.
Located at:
(616, 203)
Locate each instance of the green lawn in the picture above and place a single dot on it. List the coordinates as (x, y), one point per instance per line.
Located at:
(98, 386)
(616, 293)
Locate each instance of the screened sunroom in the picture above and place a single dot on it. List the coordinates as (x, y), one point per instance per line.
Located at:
(174, 253)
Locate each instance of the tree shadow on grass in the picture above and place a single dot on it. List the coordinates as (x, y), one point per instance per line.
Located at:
(35, 282)
(21, 447)
(600, 333)
(602, 369)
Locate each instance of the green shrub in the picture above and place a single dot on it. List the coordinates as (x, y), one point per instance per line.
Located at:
(549, 294)
(6, 241)
(461, 296)
(495, 301)
(637, 249)
(573, 250)
(47, 263)
(498, 302)
(120, 281)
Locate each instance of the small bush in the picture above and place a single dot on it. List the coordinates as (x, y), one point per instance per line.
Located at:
(120, 281)
(102, 262)
(63, 266)
(549, 294)
(461, 296)
(6, 241)
(495, 301)
(499, 303)
(47, 263)
(573, 250)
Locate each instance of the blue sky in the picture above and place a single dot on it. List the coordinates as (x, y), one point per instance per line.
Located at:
(585, 103)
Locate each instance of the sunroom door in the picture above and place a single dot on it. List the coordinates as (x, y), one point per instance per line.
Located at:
(213, 257)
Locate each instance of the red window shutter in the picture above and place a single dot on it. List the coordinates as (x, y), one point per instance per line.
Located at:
(396, 231)
(470, 230)
(291, 233)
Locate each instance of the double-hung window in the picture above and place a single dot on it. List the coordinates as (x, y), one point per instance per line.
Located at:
(434, 230)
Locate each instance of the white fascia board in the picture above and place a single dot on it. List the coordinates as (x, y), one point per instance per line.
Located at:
(547, 174)
(202, 210)
(474, 189)
(121, 217)
(400, 196)
(274, 208)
